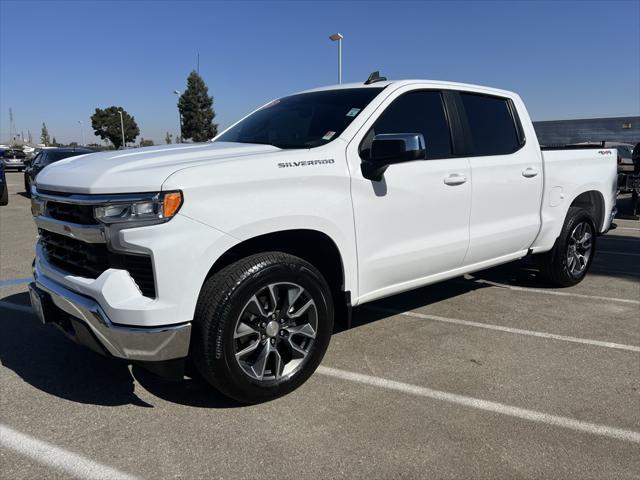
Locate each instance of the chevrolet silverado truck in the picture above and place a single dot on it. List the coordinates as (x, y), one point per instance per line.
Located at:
(234, 257)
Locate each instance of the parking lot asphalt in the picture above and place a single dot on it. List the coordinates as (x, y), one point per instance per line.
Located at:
(491, 375)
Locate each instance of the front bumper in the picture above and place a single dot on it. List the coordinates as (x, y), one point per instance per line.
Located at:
(19, 164)
(86, 322)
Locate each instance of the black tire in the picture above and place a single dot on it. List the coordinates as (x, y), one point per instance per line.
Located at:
(27, 187)
(223, 300)
(555, 265)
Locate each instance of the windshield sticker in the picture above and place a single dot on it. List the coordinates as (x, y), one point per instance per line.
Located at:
(353, 112)
(329, 135)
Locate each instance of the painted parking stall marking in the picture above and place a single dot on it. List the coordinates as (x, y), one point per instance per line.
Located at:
(58, 458)
(486, 405)
(551, 292)
(15, 281)
(518, 331)
(16, 306)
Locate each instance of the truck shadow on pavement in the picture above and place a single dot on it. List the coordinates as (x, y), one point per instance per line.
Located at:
(41, 355)
(45, 359)
(524, 273)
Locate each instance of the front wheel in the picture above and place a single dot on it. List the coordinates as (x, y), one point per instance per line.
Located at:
(262, 326)
(568, 262)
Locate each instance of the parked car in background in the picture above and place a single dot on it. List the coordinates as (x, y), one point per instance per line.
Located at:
(14, 158)
(625, 162)
(4, 190)
(47, 157)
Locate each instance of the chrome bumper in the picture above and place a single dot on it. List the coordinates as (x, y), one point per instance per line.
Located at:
(131, 343)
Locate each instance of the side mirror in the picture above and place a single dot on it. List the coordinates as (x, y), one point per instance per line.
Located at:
(390, 148)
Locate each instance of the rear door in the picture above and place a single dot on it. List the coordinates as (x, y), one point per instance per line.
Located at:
(507, 178)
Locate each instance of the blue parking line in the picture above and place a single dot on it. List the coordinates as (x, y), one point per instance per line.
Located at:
(15, 281)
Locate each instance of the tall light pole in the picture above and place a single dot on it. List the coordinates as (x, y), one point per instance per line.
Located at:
(122, 128)
(337, 37)
(84, 140)
(177, 92)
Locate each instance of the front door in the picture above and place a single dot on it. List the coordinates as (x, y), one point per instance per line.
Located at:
(414, 223)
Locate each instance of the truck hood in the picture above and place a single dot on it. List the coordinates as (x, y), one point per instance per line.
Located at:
(139, 170)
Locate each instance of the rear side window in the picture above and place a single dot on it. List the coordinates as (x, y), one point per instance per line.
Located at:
(491, 123)
(415, 112)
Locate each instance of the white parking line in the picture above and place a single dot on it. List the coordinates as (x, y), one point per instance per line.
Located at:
(58, 458)
(15, 306)
(620, 239)
(607, 272)
(518, 331)
(488, 406)
(608, 252)
(554, 292)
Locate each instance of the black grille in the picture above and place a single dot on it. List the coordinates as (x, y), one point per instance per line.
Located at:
(91, 259)
(71, 212)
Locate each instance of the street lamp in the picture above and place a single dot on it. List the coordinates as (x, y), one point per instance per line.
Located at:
(337, 37)
(122, 128)
(84, 140)
(177, 92)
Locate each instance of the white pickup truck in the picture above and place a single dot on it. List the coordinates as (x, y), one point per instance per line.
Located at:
(238, 254)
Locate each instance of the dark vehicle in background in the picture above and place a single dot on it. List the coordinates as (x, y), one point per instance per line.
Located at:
(625, 161)
(47, 157)
(4, 190)
(14, 158)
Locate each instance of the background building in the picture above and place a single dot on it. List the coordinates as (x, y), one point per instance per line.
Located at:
(614, 129)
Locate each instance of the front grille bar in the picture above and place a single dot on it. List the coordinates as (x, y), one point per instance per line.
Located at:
(85, 233)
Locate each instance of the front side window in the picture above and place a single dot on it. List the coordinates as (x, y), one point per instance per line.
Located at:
(491, 124)
(415, 112)
(305, 120)
(56, 156)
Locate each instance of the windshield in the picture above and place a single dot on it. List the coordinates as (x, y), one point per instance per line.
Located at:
(305, 120)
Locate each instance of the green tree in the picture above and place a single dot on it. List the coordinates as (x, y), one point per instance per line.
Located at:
(146, 143)
(106, 125)
(54, 142)
(167, 138)
(196, 110)
(44, 135)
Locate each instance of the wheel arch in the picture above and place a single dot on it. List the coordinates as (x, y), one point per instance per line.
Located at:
(593, 202)
(314, 246)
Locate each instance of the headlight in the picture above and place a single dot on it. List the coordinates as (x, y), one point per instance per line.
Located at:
(159, 208)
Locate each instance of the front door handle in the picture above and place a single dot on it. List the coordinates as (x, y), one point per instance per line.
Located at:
(455, 179)
(529, 172)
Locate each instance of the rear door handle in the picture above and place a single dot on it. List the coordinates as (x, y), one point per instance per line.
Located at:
(529, 172)
(455, 179)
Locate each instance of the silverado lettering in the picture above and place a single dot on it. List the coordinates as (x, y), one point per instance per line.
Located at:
(305, 163)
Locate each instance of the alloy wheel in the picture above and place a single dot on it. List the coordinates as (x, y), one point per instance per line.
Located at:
(579, 248)
(275, 331)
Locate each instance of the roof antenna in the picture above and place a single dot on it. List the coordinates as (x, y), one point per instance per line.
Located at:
(375, 77)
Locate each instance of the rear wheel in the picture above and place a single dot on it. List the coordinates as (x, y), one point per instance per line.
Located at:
(572, 254)
(262, 326)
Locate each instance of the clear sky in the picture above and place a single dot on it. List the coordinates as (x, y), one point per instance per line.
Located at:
(60, 60)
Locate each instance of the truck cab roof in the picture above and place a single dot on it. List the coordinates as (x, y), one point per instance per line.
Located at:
(420, 82)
